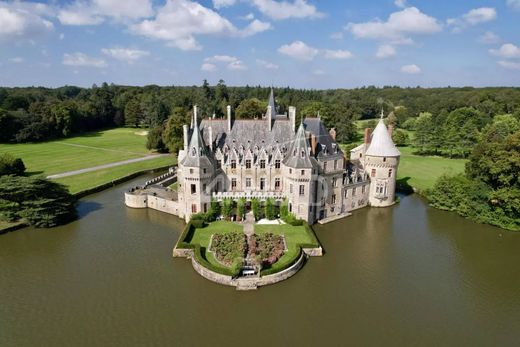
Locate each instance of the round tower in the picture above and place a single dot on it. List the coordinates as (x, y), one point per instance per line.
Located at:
(381, 163)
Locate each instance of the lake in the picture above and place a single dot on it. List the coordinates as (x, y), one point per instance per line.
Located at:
(404, 275)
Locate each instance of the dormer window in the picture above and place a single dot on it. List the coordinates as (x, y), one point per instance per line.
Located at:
(193, 151)
(303, 153)
(233, 164)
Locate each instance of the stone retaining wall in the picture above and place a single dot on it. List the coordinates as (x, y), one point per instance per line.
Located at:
(154, 202)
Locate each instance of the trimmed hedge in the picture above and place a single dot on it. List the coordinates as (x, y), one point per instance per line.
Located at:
(273, 269)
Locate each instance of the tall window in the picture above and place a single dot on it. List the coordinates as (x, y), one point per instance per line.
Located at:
(303, 172)
(333, 199)
(277, 164)
(324, 166)
(233, 164)
(334, 182)
(335, 164)
(389, 172)
(262, 164)
(204, 188)
(302, 189)
(248, 163)
(204, 170)
(193, 189)
(248, 182)
(233, 184)
(290, 188)
(277, 184)
(290, 171)
(373, 174)
(205, 207)
(193, 208)
(262, 183)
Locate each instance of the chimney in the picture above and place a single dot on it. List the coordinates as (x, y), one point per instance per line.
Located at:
(195, 115)
(210, 131)
(390, 130)
(367, 136)
(269, 117)
(185, 132)
(332, 133)
(229, 120)
(314, 143)
(292, 117)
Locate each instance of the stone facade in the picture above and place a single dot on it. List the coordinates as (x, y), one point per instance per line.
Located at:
(273, 158)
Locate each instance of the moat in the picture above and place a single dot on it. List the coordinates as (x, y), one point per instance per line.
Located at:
(403, 275)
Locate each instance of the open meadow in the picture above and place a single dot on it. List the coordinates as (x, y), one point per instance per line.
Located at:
(86, 151)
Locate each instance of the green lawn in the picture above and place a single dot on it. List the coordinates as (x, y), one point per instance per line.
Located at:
(92, 179)
(424, 170)
(86, 150)
(294, 236)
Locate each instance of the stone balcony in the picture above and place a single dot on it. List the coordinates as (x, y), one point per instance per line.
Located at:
(260, 195)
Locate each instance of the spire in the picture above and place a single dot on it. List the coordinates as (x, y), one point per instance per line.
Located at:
(382, 112)
(272, 103)
(197, 154)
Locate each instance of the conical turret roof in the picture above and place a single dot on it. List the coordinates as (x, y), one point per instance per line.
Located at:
(198, 155)
(381, 144)
(272, 103)
(298, 155)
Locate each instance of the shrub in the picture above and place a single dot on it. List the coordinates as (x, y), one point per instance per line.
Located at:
(255, 206)
(10, 165)
(241, 208)
(227, 207)
(270, 209)
(228, 247)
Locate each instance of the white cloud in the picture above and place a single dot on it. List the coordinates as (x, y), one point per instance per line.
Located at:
(232, 63)
(409, 21)
(411, 69)
(255, 27)
(24, 20)
(473, 17)
(208, 67)
(81, 59)
(223, 3)
(266, 64)
(318, 72)
(514, 4)
(248, 16)
(508, 51)
(236, 65)
(337, 54)
(179, 21)
(511, 65)
(385, 51)
(299, 50)
(400, 3)
(279, 10)
(125, 54)
(17, 60)
(93, 12)
(489, 38)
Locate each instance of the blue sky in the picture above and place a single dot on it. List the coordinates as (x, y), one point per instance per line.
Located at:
(296, 43)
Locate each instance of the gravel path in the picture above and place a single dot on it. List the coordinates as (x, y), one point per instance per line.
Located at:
(105, 166)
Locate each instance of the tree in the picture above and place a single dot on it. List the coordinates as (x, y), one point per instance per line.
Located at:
(40, 202)
(423, 138)
(214, 209)
(284, 209)
(270, 209)
(133, 113)
(241, 208)
(255, 206)
(154, 139)
(172, 134)
(399, 137)
(227, 208)
(251, 108)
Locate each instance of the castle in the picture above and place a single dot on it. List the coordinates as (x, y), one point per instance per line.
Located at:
(273, 157)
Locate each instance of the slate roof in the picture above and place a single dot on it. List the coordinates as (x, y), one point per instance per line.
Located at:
(298, 155)
(381, 144)
(198, 154)
(326, 146)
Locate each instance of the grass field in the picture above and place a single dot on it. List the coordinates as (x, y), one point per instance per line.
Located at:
(87, 150)
(423, 171)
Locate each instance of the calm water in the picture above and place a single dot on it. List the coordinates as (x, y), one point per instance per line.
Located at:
(407, 275)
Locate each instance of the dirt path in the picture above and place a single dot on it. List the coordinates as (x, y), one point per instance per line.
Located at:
(105, 166)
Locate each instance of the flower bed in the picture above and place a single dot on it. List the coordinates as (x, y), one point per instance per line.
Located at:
(228, 247)
(266, 248)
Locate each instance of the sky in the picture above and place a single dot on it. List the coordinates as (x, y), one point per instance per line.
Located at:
(297, 43)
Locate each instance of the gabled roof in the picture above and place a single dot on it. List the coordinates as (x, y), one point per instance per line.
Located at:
(323, 138)
(298, 155)
(381, 144)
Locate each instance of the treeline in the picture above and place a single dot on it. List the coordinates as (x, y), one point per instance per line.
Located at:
(489, 190)
(37, 114)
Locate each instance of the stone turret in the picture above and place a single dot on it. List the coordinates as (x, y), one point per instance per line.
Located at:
(380, 162)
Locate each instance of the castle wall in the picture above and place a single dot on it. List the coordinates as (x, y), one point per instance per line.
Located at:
(382, 172)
